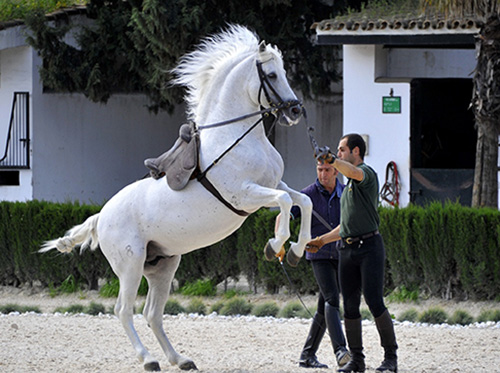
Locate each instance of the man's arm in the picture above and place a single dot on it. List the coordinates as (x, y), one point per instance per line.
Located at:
(348, 169)
(322, 240)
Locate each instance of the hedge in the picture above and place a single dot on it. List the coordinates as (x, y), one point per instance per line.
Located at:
(24, 227)
(444, 250)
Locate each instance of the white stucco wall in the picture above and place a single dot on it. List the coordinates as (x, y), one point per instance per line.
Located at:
(88, 151)
(388, 134)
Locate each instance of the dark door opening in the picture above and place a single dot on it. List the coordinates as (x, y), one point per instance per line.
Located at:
(443, 141)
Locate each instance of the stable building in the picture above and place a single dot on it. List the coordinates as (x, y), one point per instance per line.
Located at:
(407, 88)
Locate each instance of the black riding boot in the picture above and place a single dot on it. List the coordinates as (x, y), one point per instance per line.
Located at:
(355, 340)
(385, 329)
(336, 333)
(308, 357)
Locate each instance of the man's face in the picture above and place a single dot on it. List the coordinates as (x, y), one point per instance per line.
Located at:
(327, 174)
(344, 152)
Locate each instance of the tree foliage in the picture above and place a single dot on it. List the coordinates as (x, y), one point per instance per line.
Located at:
(130, 46)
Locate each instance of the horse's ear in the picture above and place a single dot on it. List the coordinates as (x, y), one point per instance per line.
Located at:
(262, 46)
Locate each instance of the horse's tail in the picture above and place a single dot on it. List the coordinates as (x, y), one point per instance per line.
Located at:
(82, 235)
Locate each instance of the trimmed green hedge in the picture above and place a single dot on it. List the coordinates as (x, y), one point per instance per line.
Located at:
(442, 250)
(24, 227)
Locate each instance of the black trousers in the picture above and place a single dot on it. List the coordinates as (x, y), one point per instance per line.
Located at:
(361, 271)
(326, 274)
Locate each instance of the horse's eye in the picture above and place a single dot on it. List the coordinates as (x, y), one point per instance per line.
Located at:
(272, 75)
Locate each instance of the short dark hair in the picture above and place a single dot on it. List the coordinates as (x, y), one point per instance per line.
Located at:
(353, 140)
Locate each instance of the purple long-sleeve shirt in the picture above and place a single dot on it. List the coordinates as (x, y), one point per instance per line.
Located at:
(328, 206)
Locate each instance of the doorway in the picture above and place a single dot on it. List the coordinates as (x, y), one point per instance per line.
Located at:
(443, 141)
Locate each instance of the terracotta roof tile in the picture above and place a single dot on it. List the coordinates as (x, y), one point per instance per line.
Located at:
(397, 25)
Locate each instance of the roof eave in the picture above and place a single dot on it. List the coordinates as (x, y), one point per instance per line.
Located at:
(408, 39)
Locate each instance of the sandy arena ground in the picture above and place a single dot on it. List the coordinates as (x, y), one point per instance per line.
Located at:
(51, 342)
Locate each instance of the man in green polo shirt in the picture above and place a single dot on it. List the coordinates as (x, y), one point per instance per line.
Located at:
(362, 257)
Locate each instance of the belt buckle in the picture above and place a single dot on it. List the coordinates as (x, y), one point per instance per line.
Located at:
(349, 240)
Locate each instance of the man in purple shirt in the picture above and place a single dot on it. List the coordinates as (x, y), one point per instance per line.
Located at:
(325, 195)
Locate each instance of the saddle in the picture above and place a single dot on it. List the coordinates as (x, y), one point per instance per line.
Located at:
(179, 162)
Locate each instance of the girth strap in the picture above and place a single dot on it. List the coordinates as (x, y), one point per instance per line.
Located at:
(202, 178)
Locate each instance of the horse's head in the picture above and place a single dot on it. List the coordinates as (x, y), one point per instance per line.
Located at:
(275, 88)
(248, 70)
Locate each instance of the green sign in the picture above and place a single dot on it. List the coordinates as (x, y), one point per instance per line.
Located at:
(391, 105)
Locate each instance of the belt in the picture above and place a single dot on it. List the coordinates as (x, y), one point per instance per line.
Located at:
(351, 240)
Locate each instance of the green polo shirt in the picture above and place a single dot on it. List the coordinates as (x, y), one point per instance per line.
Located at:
(358, 205)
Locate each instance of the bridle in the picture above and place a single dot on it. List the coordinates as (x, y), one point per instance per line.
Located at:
(265, 86)
(275, 107)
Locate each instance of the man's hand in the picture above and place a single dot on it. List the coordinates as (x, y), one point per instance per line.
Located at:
(324, 155)
(314, 245)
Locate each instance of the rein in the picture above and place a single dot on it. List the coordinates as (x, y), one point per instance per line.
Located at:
(237, 119)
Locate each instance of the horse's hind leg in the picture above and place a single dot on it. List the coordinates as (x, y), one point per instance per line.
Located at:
(160, 276)
(130, 274)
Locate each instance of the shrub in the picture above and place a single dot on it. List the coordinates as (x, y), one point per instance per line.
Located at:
(305, 313)
(217, 306)
(231, 293)
(95, 309)
(461, 317)
(290, 310)
(196, 305)
(173, 307)
(402, 294)
(74, 308)
(236, 306)
(8, 308)
(489, 315)
(266, 309)
(435, 315)
(69, 285)
(199, 288)
(409, 315)
(112, 287)
(143, 287)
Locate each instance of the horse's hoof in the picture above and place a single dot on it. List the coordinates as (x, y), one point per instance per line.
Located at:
(292, 259)
(269, 253)
(188, 365)
(152, 366)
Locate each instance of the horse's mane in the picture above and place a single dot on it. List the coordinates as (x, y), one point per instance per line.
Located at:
(197, 69)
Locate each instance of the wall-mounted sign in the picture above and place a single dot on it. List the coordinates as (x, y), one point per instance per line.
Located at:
(391, 104)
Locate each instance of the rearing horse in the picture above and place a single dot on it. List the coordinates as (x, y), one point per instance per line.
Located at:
(146, 227)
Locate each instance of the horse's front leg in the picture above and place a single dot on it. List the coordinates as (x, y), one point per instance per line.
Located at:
(304, 202)
(276, 246)
(257, 196)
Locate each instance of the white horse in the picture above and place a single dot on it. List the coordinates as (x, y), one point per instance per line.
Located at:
(146, 227)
